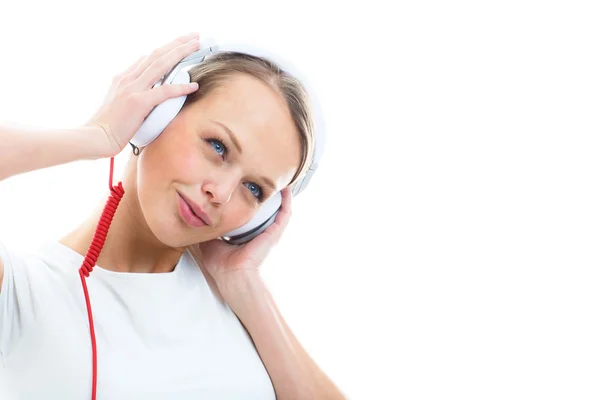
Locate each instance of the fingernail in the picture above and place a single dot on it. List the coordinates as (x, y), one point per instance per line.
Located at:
(193, 85)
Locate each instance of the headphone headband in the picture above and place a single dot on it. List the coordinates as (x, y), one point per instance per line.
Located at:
(164, 113)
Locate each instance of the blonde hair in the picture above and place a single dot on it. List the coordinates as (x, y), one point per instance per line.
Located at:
(217, 69)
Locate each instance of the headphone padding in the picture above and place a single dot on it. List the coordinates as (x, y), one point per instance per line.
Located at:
(161, 115)
(270, 207)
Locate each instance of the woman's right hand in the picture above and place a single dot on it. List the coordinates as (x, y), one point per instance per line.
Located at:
(131, 96)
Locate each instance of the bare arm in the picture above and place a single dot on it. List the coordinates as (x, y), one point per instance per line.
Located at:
(27, 149)
(128, 102)
(293, 373)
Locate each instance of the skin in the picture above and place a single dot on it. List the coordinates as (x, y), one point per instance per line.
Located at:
(147, 233)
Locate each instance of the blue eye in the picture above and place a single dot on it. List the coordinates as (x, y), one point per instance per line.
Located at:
(255, 190)
(218, 146)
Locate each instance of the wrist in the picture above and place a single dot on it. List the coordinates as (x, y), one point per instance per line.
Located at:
(243, 290)
(79, 143)
(103, 143)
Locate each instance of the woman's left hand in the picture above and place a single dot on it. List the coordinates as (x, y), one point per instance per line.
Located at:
(230, 265)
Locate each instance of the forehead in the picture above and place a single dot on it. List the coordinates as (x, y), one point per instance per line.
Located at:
(261, 121)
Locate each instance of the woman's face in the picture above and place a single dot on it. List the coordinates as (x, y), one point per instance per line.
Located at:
(229, 175)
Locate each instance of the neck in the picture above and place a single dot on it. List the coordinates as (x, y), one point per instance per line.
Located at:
(130, 245)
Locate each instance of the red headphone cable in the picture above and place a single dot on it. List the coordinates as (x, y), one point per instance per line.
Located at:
(116, 193)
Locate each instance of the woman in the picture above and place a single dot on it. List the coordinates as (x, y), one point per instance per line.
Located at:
(178, 314)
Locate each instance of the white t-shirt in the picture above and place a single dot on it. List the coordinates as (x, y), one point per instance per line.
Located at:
(159, 336)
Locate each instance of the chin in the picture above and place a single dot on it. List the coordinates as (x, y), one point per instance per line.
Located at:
(174, 233)
(168, 230)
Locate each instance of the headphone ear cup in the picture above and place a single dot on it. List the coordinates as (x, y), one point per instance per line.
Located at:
(252, 234)
(262, 220)
(158, 119)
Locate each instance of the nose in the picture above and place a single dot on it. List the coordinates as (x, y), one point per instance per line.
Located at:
(220, 190)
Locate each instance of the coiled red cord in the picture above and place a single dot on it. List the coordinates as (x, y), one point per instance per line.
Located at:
(91, 258)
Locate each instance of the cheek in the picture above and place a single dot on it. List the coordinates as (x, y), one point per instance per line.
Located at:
(175, 166)
(175, 153)
(236, 214)
(190, 162)
(158, 169)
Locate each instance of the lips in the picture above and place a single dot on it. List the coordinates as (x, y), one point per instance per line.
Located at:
(196, 209)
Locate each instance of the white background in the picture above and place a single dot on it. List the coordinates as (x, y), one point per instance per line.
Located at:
(448, 245)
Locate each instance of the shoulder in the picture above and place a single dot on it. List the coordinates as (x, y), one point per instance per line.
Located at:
(38, 266)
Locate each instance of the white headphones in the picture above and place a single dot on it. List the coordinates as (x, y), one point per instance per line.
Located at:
(164, 113)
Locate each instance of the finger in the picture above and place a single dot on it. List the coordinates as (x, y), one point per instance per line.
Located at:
(284, 214)
(286, 200)
(273, 233)
(163, 93)
(163, 64)
(159, 52)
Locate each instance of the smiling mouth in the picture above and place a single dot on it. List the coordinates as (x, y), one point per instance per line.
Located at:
(197, 216)
(187, 213)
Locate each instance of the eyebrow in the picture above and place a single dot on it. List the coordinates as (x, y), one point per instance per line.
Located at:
(232, 136)
(236, 143)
